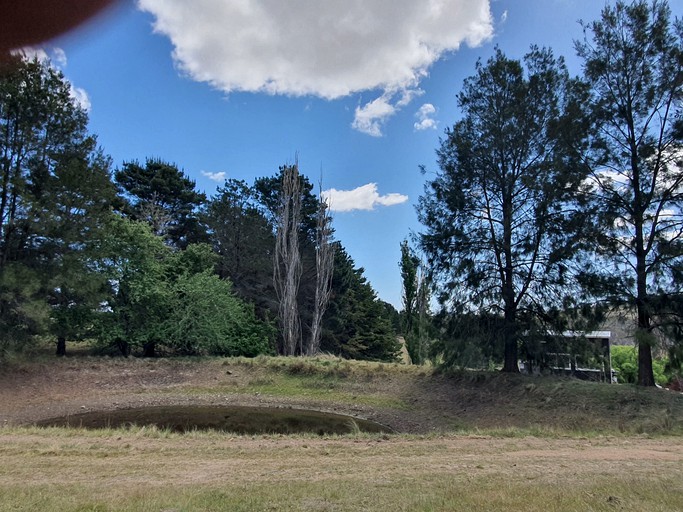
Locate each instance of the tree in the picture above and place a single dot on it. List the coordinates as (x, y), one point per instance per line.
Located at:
(206, 316)
(172, 300)
(134, 262)
(268, 191)
(324, 266)
(415, 304)
(39, 122)
(164, 197)
(409, 265)
(55, 201)
(498, 216)
(287, 265)
(633, 61)
(244, 240)
(356, 325)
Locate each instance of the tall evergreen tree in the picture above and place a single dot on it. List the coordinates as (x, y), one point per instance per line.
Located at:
(55, 198)
(164, 197)
(244, 240)
(633, 61)
(357, 325)
(498, 214)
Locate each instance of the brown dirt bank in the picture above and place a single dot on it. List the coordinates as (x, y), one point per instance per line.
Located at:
(408, 399)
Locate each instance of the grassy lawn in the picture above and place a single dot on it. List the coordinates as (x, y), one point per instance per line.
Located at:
(471, 441)
(150, 470)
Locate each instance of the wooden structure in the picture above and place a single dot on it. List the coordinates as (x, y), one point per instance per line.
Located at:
(584, 355)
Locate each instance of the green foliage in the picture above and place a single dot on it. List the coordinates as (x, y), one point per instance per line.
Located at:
(625, 362)
(409, 265)
(55, 197)
(356, 325)
(498, 215)
(633, 60)
(173, 300)
(472, 341)
(133, 263)
(164, 197)
(207, 318)
(23, 310)
(244, 241)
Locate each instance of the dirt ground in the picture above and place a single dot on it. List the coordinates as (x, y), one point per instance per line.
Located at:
(430, 470)
(134, 471)
(406, 399)
(33, 392)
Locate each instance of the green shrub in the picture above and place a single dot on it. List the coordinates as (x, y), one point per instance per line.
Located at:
(625, 362)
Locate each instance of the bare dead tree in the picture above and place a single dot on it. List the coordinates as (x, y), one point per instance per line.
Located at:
(287, 267)
(324, 265)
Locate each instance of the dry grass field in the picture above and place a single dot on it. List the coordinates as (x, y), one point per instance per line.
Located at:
(148, 470)
(463, 442)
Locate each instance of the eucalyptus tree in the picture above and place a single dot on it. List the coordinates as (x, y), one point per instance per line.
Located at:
(499, 215)
(633, 62)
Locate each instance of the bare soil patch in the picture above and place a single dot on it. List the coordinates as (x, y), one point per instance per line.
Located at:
(407, 399)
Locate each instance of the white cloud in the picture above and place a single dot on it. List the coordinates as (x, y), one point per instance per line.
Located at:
(365, 197)
(59, 56)
(81, 97)
(504, 16)
(31, 53)
(425, 121)
(371, 117)
(324, 48)
(215, 176)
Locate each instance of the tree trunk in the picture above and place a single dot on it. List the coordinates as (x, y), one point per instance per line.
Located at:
(287, 264)
(646, 375)
(61, 346)
(511, 364)
(124, 347)
(149, 349)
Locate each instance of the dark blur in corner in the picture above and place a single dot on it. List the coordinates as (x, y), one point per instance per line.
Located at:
(32, 22)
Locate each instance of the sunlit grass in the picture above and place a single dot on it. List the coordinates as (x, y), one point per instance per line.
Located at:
(144, 469)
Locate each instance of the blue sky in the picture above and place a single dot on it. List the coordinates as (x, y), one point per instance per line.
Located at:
(361, 90)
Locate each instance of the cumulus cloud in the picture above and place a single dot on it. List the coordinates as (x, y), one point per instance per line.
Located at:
(215, 176)
(365, 197)
(324, 48)
(371, 117)
(425, 121)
